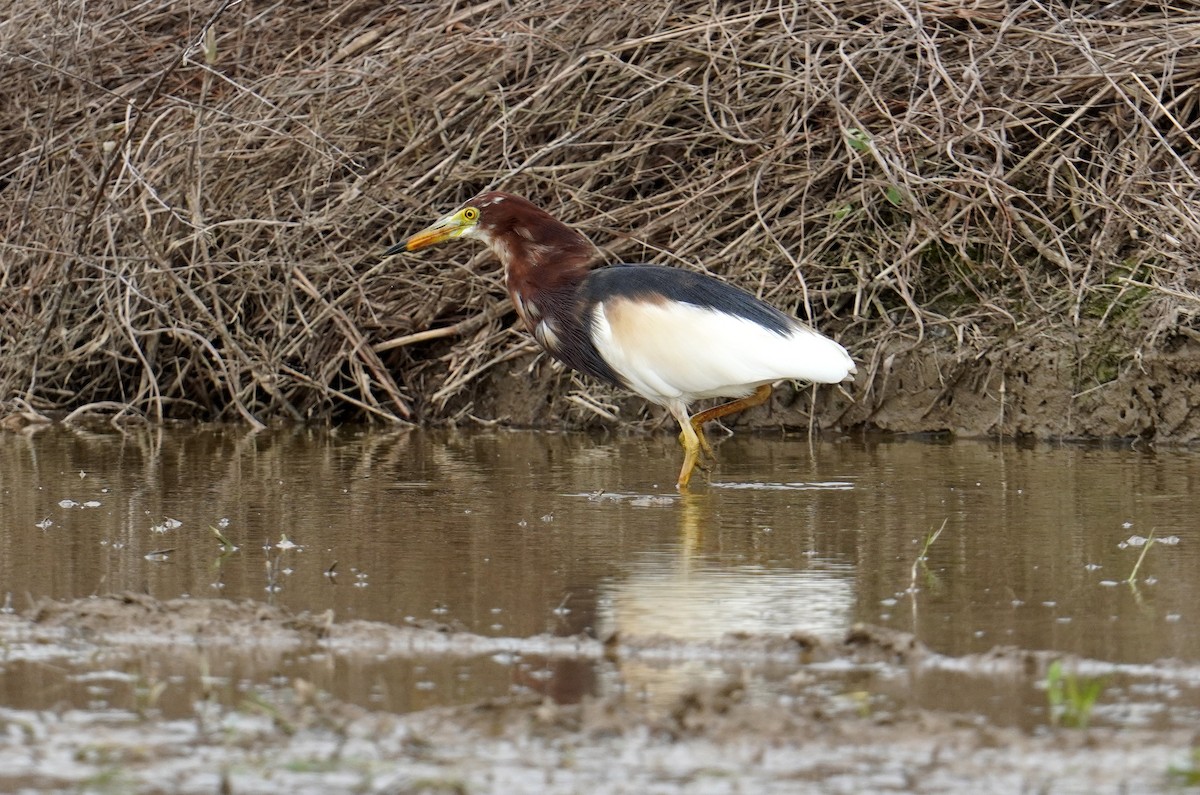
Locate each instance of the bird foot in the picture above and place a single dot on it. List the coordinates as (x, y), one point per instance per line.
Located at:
(706, 452)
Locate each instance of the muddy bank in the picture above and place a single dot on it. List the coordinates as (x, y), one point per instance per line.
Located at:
(1086, 383)
(845, 717)
(1070, 384)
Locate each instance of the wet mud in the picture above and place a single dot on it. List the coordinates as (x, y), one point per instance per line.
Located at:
(1091, 382)
(847, 714)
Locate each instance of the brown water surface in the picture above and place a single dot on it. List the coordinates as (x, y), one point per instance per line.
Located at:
(512, 534)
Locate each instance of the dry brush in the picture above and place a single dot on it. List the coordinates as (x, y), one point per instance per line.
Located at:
(193, 198)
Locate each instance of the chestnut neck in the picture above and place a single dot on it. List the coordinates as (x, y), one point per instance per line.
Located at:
(543, 259)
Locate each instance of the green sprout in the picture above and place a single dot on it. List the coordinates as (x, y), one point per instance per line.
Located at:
(923, 555)
(858, 140)
(1188, 774)
(1145, 548)
(226, 545)
(1070, 698)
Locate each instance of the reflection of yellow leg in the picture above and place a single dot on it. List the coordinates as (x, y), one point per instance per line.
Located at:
(694, 515)
(691, 434)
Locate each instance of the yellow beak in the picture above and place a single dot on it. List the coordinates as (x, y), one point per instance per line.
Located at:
(452, 226)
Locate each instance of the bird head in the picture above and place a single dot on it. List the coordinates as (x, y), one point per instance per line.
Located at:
(483, 217)
(513, 227)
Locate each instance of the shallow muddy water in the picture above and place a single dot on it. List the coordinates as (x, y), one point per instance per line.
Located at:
(514, 534)
(410, 574)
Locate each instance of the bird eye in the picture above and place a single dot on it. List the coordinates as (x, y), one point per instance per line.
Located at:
(470, 214)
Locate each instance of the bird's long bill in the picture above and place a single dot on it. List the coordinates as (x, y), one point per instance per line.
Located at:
(452, 226)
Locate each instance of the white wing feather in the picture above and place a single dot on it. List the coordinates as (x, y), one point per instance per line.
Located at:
(673, 351)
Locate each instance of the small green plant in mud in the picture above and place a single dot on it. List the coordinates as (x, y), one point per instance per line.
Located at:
(1132, 580)
(227, 546)
(1187, 774)
(1121, 296)
(146, 693)
(109, 779)
(923, 555)
(436, 786)
(257, 703)
(861, 699)
(1071, 699)
(860, 141)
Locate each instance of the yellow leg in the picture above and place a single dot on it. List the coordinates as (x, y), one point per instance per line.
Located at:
(757, 398)
(691, 453)
(691, 434)
(706, 453)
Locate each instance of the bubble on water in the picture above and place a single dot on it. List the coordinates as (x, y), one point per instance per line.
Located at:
(168, 524)
(67, 503)
(92, 504)
(651, 501)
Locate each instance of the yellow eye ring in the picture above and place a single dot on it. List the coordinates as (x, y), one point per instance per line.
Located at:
(470, 214)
